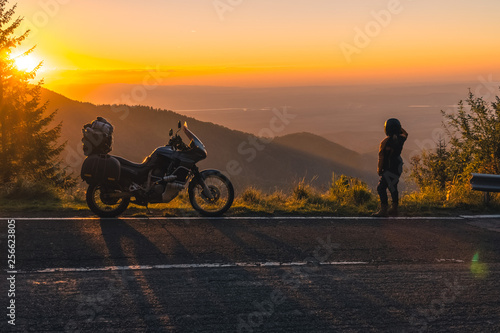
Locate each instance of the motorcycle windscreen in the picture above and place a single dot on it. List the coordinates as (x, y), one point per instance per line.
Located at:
(191, 136)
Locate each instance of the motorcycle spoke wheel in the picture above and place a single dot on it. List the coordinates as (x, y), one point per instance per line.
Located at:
(104, 202)
(222, 193)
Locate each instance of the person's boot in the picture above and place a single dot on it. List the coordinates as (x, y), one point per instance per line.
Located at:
(393, 211)
(382, 212)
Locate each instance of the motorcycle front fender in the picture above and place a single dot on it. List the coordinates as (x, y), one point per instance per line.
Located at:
(200, 179)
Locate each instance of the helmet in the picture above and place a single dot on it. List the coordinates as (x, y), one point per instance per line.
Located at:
(392, 127)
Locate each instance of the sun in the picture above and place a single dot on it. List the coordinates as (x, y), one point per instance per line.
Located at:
(26, 63)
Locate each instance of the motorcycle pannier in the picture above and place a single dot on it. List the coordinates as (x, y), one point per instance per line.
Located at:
(100, 169)
(97, 137)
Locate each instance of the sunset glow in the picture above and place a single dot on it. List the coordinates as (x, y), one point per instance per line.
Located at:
(26, 62)
(263, 43)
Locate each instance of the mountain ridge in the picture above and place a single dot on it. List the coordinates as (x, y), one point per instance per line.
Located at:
(248, 160)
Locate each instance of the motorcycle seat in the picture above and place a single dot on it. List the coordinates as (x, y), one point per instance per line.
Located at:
(133, 165)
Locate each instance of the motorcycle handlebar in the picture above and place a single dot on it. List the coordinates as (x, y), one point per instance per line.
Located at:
(176, 142)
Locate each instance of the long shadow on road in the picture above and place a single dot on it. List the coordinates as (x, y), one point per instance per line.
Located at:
(244, 299)
(190, 300)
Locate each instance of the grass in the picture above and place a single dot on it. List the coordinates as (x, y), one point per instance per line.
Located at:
(346, 196)
(35, 197)
(303, 200)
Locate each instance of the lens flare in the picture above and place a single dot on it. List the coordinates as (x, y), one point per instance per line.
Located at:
(477, 268)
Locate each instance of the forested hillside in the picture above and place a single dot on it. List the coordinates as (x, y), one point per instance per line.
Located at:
(249, 161)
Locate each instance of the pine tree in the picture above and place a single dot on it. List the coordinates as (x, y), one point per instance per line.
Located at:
(432, 168)
(28, 143)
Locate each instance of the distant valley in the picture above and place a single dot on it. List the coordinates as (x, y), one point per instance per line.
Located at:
(352, 116)
(265, 163)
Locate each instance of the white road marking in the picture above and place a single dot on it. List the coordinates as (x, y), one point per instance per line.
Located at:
(481, 216)
(265, 218)
(187, 266)
(450, 260)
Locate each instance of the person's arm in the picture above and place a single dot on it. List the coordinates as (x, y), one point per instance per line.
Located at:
(381, 156)
(404, 133)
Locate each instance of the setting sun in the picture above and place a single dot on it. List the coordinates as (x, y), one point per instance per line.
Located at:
(26, 62)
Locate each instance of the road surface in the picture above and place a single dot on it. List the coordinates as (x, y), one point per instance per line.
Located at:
(253, 275)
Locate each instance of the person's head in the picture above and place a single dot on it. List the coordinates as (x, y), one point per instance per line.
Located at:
(392, 127)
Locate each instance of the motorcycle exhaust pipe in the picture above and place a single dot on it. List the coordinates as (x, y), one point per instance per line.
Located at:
(175, 186)
(171, 191)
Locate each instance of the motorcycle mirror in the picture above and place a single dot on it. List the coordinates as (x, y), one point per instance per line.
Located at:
(179, 124)
(170, 132)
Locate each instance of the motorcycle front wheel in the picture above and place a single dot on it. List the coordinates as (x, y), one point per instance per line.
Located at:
(221, 189)
(104, 201)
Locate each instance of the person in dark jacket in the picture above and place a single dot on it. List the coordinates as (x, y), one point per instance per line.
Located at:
(390, 166)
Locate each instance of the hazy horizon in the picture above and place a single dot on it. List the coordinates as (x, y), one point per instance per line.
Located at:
(352, 116)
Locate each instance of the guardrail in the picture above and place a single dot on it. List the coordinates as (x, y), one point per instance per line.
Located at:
(486, 183)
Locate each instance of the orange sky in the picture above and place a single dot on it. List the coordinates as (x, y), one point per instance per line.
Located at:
(262, 42)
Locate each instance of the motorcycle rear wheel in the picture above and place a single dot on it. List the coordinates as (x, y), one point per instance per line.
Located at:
(221, 189)
(102, 203)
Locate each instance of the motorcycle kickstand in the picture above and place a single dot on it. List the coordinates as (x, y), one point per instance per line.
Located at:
(149, 211)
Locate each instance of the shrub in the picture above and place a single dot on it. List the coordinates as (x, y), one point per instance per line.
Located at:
(23, 190)
(252, 196)
(350, 190)
(303, 191)
(425, 198)
(473, 146)
(460, 194)
(277, 197)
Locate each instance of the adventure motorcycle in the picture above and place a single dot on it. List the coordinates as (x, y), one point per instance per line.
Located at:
(114, 182)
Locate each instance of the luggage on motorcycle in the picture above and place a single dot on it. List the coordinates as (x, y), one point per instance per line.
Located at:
(97, 137)
(100, 169)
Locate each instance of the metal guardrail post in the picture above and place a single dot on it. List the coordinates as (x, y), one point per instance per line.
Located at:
(486, 198)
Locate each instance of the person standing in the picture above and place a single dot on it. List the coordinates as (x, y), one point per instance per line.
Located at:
(390, 167)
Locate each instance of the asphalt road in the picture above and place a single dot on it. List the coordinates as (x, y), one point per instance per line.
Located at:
(253, 275)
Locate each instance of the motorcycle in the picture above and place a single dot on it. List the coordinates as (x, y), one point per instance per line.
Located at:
(114, 182)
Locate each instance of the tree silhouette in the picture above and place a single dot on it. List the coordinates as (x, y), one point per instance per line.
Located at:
(473, 145)
(475, 135)
(28, 144)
